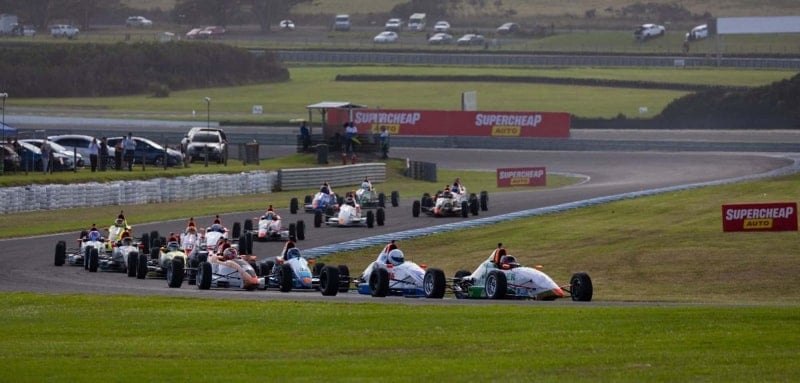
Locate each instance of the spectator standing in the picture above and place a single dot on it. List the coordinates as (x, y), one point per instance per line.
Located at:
(103, 153)
(384, 139)
(118, 155)
(129, 145)
(351, 136)
(305, 136)
(94, 148)
(46, 152)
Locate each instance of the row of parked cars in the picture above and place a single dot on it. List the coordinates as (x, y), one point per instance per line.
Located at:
(71, 151)
(648, 31)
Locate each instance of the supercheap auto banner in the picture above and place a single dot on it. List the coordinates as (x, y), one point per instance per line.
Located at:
(536, 176)
(777, 216)
(455, 123)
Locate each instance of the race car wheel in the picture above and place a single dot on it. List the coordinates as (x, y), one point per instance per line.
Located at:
(301, 230)
(473, 206)
(496, 285)
(267, 268)
(193, 263)
(61, 253)
(236, 230)
(86, 257)
(204, 276)
(317, 218)
(141, 266)
(464, 209)
(415, 208)
(434, 283)
(395, 198)
(379, 282)
(292, 230)
(248, 225)
(155, 252)
(344, 278)
(293, 205)
(380, 217)
(175, 273)
(249, 244)
(94, 260)
(153, 239)
(133, 258)
(285, 278)
(370, 219)
(381, 200)
(581, 288)
(427, 201)
(329, 281)
(243, 245)
(484, 200)
(144, 242)
(307, 199)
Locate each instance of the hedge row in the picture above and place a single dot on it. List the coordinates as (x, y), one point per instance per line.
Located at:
(92, 70)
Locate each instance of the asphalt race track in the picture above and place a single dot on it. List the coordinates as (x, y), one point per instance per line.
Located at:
(27, 263)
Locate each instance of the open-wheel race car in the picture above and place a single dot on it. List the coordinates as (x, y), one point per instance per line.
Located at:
(321, 201)
(292, 272)
(210, 269)
(448, 203)
(269, 227)
(95, 252)
(371, 199)
(501, 277)
(349, 214)
(391, 274)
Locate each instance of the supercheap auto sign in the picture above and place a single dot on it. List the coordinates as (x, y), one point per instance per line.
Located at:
(778, 216)
(536, 176)
(456, 123)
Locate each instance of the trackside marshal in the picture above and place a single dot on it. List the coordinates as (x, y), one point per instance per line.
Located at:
(776, 216)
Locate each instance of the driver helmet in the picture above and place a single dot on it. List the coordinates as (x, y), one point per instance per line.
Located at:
(216, 227)
(230, 253)
(508, 262)
(173, 246)
(293, 253)
(94, 235)
(396, 257)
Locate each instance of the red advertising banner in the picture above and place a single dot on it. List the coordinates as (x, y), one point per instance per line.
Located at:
(454, 123)
(521, 177)
(777, 216)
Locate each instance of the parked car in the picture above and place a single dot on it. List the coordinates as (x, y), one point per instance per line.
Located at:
(508, 28)
(341, 23)
(441, 27)
(648, 31)
(80, 143)
(30, 157)
(202, 142)
(77, 157)
(138, 22)
(394, 25)
(206, 33)
(151, 152)
(471, 39)
(64, 30)
(23, 31)
(697, 33)
(386, 37)
(440, 39)
(10, 157)
(286, 25)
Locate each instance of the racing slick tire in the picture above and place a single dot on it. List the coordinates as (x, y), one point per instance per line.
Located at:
(141, 266)
(380, 217)
(61, 253)
(307, 199)
(153, 239)
(285, 278)
(266, 270)
(370, 219)
(293, 230)
(204, 276)
(145, 241)
(317, 218)
(434, 284)
(427, 201)
(474, 205)
(86, 258)
(293, 205)
(133, 258)
(249, 240)
(94, 260)
(581, 288)
(381, 200)
(395, 198)
(236, 230)
(484, 198)
(379, 283)
(301, 230)
(193, 263)
(243, 245)
(496, 285)
(464, 209)
(155, 252)
(175, 273)
(344, 278)
(415, 208)
(329, 281)
(248, 225)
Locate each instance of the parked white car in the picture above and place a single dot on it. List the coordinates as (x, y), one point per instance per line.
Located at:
(440, 38)
(64, 30)
(441, 26)
(386, 37)
(394, 25)
(648, 31)
(697, 33)
(138, 22)
(287, 25)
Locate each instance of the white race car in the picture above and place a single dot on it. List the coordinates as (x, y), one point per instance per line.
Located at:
(350, 214)
(371, 199)
(270, 228)
(293, 272)
(505, 278)
(91, 245)
(448, 203)
(391, 274)
(324, 202)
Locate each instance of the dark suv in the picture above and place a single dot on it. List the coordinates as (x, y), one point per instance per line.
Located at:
(210, 142)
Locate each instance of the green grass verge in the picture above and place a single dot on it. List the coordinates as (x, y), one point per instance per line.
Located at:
(96, 338)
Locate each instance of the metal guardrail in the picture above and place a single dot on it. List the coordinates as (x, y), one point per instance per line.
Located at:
(307, 178)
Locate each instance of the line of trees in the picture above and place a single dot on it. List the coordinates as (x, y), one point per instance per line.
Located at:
(93, 70)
